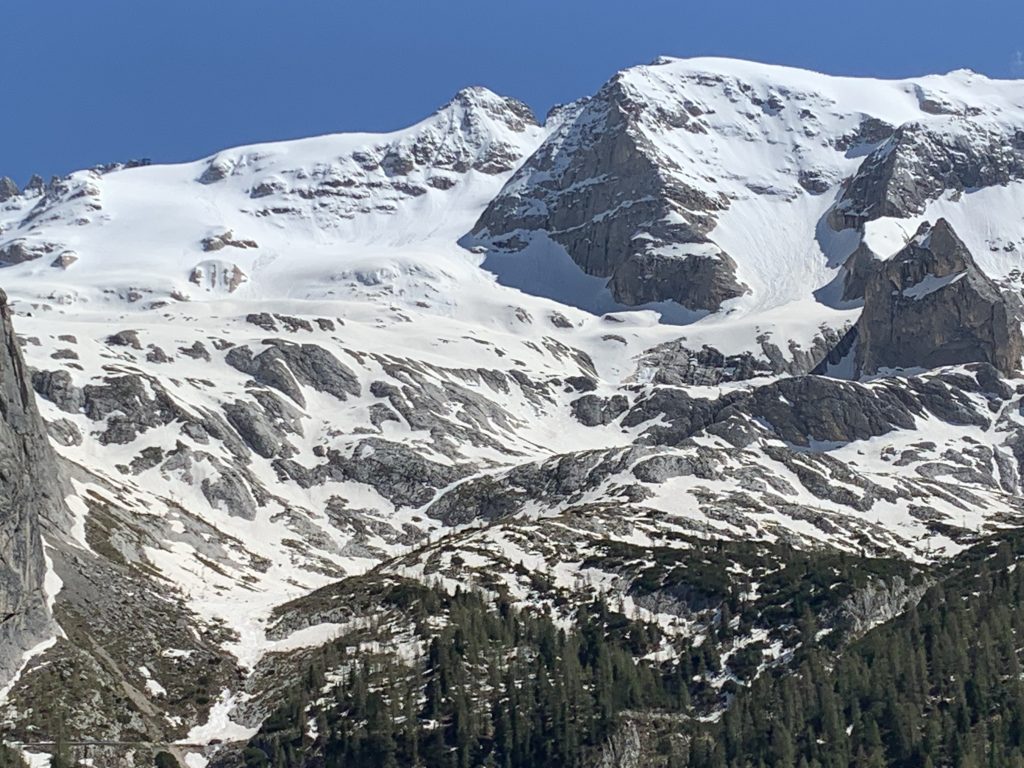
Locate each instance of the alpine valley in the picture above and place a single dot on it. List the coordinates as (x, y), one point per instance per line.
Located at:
(684, 427)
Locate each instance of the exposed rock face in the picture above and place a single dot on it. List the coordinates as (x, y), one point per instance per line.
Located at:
(812, 408)
(593, 410)
(36, 184)
(479, 105)
(799, 410)
(225, 240)
(396, 471)
(803, 410)
(916, 165)
(283, 365)
(18, 251)
(695, 280)
(256, 429)
(125, 339)
(477, 131)
(931, 306)
(857, 270)
(680, 363)
(8, 188)
(560, 479)
(879, 602)
(600, 188)
(676, 364)
(58, 388)
(64, 260)
(215, 275)
(29, 493)
(870, 131)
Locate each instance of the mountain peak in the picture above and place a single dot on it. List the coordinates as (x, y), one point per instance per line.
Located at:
(481, 101)
(275, 368)
(473, 94)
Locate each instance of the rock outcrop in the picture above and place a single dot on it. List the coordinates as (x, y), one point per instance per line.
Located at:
(284, 365)
(603, 190)
(476, 131)
(917, 165)
(930, 305)
(29, 494)
(8, 188)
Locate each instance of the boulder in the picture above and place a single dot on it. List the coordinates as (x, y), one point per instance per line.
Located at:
(64, 260)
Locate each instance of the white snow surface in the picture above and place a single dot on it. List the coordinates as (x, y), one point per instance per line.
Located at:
(219, 724)
(363, 228)
(761, 129)
(930, 284)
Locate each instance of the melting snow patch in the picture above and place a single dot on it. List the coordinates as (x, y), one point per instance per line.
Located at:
(219, 724)
(154, 688)
(309, 637)
(25, 659)
(36, 759)
(176, 653)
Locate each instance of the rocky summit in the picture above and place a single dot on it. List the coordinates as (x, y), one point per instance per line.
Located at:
(503, 441)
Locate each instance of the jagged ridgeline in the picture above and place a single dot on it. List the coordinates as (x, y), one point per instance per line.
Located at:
(693, 388)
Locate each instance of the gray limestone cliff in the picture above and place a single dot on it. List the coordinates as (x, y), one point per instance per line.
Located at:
(29, 493)
(930, 305)
(601, 189)
(917, 165)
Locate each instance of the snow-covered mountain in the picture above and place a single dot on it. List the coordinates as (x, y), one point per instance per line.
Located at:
(479, 349)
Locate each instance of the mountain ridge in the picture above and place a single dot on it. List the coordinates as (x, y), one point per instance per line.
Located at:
(548, 361)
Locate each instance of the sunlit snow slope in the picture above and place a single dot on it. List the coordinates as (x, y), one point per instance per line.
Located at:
(293, 362)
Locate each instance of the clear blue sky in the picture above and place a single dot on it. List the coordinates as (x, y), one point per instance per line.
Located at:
(85, 82)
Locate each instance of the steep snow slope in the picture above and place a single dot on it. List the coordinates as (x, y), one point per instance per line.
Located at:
(276, 367)
(307, 218)
(741, 165)
(240, 485)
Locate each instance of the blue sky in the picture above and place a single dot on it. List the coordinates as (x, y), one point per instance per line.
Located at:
(83, 83)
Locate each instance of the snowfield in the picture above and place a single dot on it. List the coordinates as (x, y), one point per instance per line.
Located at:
(447, 369)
